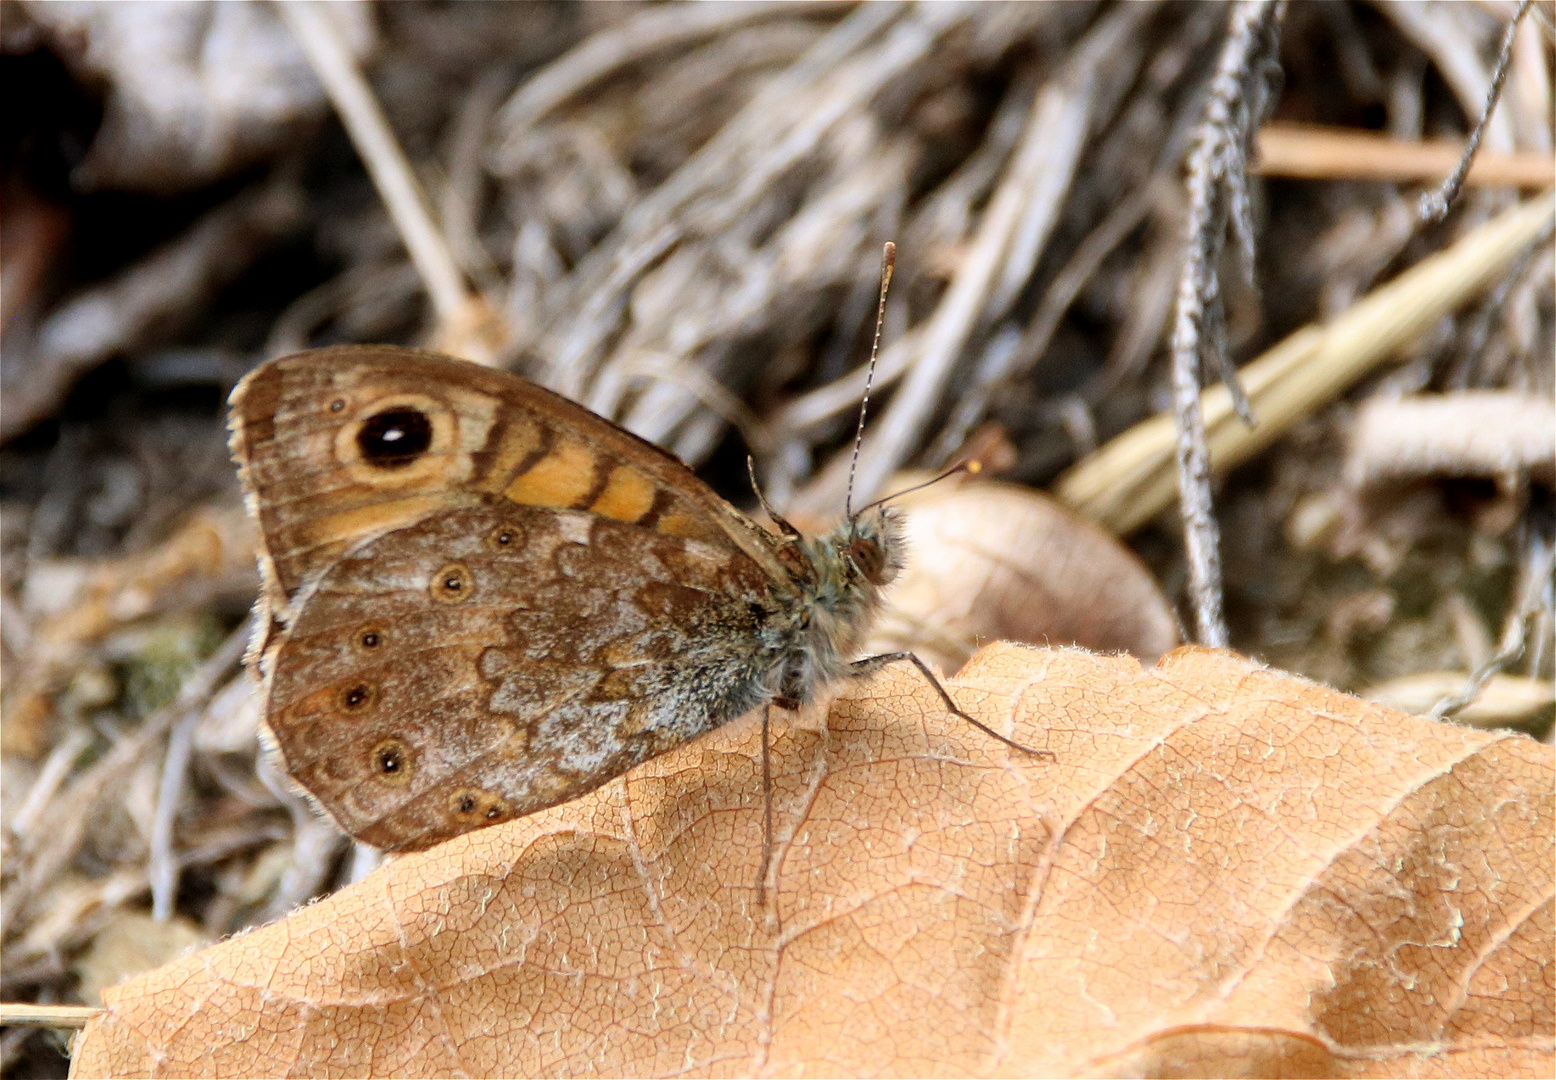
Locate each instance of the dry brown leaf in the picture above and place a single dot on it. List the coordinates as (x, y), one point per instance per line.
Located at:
(990, 561)
(1227, 871)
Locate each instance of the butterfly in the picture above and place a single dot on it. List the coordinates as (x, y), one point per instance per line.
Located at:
(480, 599)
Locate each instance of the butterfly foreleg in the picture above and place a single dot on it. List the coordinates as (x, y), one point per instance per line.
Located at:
(767, 804)
(871, 664)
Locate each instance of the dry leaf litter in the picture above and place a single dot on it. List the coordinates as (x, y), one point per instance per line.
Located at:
(674, 214)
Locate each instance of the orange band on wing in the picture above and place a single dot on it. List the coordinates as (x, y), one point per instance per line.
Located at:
(563, 478)
(374, 518)
(628, 495)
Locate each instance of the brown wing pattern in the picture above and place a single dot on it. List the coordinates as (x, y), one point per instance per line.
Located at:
(309, 435)
(489, 661)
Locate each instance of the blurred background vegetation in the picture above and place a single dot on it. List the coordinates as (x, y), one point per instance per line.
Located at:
(674, 214)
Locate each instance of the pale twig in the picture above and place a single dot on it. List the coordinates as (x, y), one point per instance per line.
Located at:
(842, 394)
(24, 1014)
(1240, 94)
(460, 200)
(1467, 433)
(1006, 357)
(1504, 701)
(1023, 207)
(714, 395)
(55, 768)
(612, 49)
(1536, 580)
(1315, 152)
(1130, 479)
(381, 153)
(162, 864)
(1450, 36)
(1434, 205)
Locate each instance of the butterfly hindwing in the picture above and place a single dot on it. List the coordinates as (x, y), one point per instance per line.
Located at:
(489, 661)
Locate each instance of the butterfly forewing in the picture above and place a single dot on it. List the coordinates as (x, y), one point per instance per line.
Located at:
(342, 444)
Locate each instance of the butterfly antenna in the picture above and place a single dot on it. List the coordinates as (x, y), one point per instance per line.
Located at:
(888, 264)
(971, 468)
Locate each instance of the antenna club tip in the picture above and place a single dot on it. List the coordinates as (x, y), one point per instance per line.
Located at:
(974, 467)
(889, 254)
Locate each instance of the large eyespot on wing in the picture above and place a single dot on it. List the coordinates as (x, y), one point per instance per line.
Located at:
(339, 445)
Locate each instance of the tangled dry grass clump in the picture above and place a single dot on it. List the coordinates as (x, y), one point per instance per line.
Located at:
(674, 214)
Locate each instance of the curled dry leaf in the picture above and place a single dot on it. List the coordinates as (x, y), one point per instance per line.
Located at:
(1225, 871)
(991, 561)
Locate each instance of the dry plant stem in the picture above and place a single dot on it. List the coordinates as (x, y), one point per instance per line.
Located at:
(1004, 359)
(842, 394)
(658, 223)
(1434, 205)
(1130, 479)
(1217, 192)
(162, 862)
(19, 1014)
(73, 807)
(459, 202)
(1468, 433)
(1314, 152)
(1023, 208)
(611, 50)
(55, 768)
(1505, 701)
(714, 395)
(1537, 577)
(1441, 31)
(380, 150)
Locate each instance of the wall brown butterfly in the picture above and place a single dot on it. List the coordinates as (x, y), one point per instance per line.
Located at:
(481, 599)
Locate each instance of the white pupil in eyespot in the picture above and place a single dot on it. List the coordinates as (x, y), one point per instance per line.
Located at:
(394, 434)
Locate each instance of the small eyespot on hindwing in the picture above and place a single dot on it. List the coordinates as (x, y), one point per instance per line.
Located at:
(391, 761)
(356, 697)
(471, 804)
(452, 584)
(506, 538)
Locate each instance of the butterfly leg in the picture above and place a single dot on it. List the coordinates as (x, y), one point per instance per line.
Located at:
(767, 804)
(871, 664)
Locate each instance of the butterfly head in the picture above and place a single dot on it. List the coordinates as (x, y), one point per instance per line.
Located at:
(856, 560)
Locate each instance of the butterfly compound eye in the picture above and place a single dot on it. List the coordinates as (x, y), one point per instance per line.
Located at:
(394, 439)
(868, 557)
